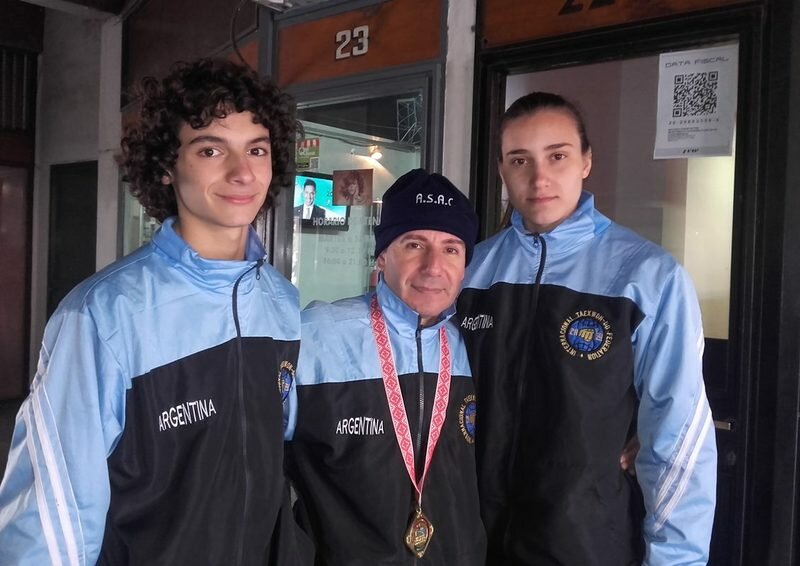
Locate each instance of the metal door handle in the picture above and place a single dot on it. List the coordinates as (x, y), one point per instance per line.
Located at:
(725, 424)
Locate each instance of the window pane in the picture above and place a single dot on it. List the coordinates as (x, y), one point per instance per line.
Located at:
(352, 152)
(684, 205)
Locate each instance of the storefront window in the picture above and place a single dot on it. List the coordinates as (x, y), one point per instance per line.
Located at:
(351, 153)
(349, 156)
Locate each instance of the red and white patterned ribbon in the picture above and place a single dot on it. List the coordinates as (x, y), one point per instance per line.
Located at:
(395, 396)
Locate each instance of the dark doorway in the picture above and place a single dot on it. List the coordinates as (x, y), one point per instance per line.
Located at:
(15, 218)
(73, 228)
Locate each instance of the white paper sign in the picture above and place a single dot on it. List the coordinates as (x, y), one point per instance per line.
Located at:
(696, 102)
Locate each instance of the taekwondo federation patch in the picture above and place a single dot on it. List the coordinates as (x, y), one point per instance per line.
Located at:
(285, 379)
(466, 418)
(586, 334)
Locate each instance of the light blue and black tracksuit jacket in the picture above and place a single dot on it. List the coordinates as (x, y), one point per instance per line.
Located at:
(580, 338)
(356, 496)
(153, 431)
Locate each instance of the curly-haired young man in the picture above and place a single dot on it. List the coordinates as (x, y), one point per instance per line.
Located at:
(153, 431)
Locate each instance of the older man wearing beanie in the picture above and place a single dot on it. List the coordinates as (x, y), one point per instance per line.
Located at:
(382, 416)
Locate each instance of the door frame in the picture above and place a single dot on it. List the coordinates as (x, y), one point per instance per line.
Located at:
(762, 334)
(773, 489)
(25, 376)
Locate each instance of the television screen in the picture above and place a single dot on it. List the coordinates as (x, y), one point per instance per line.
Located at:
(313, 203)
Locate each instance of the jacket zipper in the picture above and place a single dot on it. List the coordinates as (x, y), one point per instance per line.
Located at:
(522, 379)
(421, 420)
(242, 409)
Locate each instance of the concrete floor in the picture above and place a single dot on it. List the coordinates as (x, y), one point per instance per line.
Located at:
(8, 412)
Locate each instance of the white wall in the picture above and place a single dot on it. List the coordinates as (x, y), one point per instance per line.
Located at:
(109, 132)
(709, 237)
(72, 121)
(458, 95)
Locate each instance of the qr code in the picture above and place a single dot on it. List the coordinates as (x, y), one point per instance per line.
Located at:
(695, 94)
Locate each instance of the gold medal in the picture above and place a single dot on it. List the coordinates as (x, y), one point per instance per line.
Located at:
(419, 533)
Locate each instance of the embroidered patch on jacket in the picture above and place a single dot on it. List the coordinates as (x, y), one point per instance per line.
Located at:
(285, 379)
(466, 418)
(586, 334)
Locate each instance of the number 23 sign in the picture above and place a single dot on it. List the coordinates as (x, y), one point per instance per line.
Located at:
(352, 42)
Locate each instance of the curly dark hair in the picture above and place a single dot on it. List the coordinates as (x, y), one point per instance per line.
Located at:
(196, 93)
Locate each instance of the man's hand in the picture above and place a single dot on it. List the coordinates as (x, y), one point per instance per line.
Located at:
(628, 458)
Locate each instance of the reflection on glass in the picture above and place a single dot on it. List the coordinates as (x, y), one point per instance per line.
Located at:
(333, 252)
(137, 226)
(685, 205)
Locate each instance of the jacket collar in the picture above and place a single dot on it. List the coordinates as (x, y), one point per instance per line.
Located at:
(581, 226)
(209, 273)
(401, 318)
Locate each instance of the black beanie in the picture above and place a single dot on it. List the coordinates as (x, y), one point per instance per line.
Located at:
(425, 201)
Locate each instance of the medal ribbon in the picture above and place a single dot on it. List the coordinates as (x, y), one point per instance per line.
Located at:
(395, 396)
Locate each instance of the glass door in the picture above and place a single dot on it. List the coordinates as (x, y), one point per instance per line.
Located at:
(644, 117)
(683, 204)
